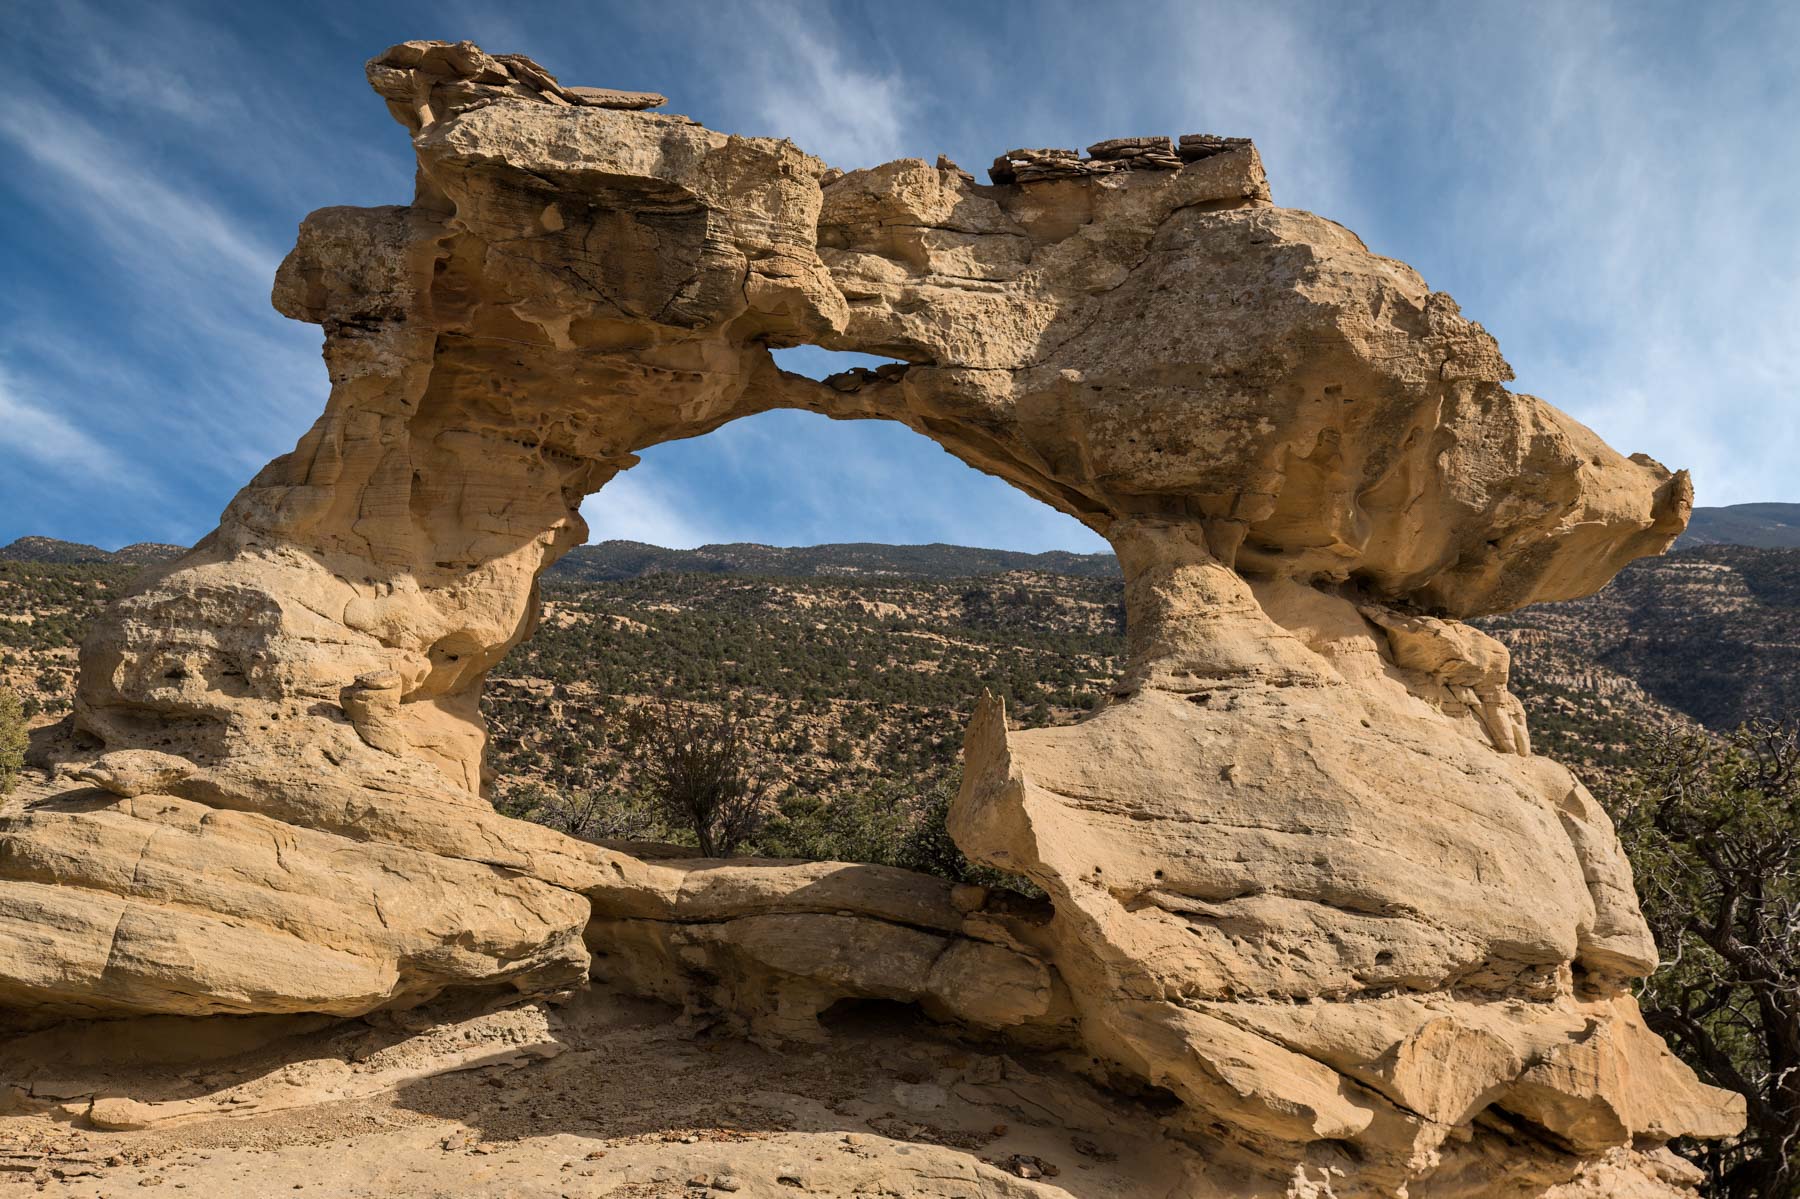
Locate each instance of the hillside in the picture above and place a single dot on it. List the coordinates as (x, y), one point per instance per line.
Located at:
(1766, 526)
(1761, 526)
(848, 684)
(854, 672)
(49, 549)
(612, 560)
(1712, 633)
(1773, 526)
(45, 607)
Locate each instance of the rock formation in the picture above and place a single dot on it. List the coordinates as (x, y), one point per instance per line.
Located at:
(1306, 882)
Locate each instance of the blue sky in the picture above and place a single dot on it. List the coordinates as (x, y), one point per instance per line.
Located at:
(1609, 188)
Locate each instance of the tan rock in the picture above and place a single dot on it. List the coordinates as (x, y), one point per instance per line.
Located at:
(1590, 1091)
(606, 97)
(1303, 872)
(116, 1113)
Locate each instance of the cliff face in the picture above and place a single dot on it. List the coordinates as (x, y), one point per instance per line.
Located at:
(1304, 874)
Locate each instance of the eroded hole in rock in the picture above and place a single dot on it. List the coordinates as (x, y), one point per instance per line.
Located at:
(838, 679)
(816, 362)
(817, 698)
(859, 1015)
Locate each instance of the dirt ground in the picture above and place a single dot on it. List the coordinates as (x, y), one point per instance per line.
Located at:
(602, 1096)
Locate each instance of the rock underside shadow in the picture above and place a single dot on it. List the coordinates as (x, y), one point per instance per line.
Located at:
(1307, 887)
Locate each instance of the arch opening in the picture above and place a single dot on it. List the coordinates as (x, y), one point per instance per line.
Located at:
(852, 668)
(794, 478)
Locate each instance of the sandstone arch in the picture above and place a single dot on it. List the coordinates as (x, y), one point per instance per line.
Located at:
(1306, 874)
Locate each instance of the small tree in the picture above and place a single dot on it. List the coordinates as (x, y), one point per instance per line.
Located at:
(1713, 832)
(12, 740)
(889, 824)
(587, 812)
(697, 766)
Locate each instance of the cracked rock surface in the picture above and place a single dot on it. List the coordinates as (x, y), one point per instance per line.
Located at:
(1309, 894)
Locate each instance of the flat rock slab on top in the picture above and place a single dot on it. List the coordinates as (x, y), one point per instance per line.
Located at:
(606, 97)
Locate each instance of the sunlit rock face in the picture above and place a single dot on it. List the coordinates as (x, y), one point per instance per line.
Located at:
(1305, 879)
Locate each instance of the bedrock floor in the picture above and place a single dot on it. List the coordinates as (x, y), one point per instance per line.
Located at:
(604, 1096)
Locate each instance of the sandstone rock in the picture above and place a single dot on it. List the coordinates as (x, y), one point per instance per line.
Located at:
(768, 947)
(945, 164)
(1303, 873)
(115, 1114)
(1195, 146)
(1138, 153)
(134, 772)
(606, 97)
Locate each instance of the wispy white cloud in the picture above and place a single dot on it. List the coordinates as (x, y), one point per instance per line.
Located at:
(136, 81)
(33, 433)
(642, 505)
(801, 78)
(1622, 202)
(200, 96)
(176, 346)
(1260, 70)
(123, 201)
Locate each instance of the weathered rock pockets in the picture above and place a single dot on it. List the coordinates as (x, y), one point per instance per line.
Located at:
(1303, 873)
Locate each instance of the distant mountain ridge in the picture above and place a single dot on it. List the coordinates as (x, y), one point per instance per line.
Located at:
(1710, 631)
(1760, 526)
(49, 549)
(609, 561)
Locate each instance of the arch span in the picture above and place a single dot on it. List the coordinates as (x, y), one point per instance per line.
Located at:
(1312, 784)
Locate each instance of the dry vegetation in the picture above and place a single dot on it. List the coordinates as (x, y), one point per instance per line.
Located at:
(863, 676)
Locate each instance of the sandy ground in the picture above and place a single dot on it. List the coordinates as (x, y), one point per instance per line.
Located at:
(604, 1096)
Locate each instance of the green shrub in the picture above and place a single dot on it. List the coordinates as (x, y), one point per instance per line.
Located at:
(889, 824)
(696, 764)
(12, 739)
(594, 813)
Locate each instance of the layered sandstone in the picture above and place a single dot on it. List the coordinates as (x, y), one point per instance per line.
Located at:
(1303, 873)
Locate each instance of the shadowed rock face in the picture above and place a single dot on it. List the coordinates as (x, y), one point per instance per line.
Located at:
(1304, 873)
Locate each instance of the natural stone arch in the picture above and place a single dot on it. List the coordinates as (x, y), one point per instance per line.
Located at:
(1312, 784)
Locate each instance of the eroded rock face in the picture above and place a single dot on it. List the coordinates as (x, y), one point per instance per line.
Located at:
(1304, 874)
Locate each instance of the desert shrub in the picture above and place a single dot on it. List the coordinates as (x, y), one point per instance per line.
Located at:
(696, 764)
(1712, 827)
(12, 739)
(594, 813)
(887, 824)
(854, 826)
(927, 846)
